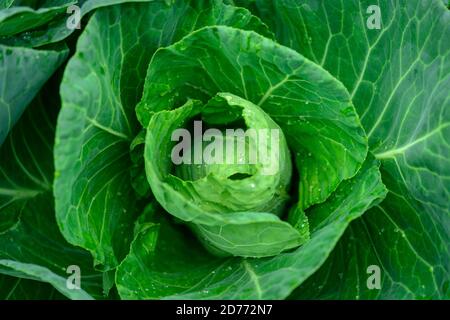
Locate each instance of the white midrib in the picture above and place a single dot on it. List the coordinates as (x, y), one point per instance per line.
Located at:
(95, 123)
(393, 152)
(253, 277)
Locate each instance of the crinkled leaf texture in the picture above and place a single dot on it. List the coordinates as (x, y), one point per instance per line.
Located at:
(313, 110)
(313, 66)
(95, 203)
(199, 69)
(166, 262)
(229, 224)
(398, 77)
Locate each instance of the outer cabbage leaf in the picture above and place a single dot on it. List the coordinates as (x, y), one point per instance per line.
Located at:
(95, 203)
(37, 272)
(18, 19)
(166, 262)
(31, 245)
(24, 72)
(398, 77)
(29, 27)
(312, 108)
(24, 289)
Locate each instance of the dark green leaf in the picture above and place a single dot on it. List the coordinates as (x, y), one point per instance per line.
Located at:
(12, 288)
(165, 262)
(95, 202)
(312, 108)
(18, 19)
(31, 245)
(398, 77)
(23, 72)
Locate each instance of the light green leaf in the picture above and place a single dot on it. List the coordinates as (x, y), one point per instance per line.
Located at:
(165, 262)
(398, 77)
(36, 272)
(311, 107)
(225, 217)
(95, 202)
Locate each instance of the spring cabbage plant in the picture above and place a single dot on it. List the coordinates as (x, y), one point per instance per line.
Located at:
(92, 205)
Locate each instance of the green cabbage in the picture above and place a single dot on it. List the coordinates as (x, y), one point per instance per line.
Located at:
(351, 115)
